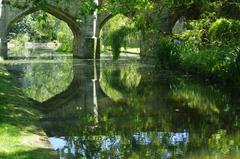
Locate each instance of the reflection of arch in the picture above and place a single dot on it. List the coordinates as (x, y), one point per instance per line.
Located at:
(81, 89)
(56, 13)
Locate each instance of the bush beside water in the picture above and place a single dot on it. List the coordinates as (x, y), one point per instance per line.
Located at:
(216, 55)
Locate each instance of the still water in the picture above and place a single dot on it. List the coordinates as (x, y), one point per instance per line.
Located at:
(128, 109)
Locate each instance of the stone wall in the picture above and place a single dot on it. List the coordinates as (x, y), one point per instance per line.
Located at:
(3, 31)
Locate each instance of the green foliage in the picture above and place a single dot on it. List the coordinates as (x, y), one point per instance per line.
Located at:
(230, 9)
(119, 83)
(210, 48)
(166, 52)
(197, 32)
(112, 25)
(225, 32)
(66, 42)
(39, 26)
(22, 27)
(223, 143)
(125, 6)
(45, 81)
(85, 7)
(45, 26)
(65, 37)
(20, 40)
(131, 40)
(217, 63)
(117, 40)
(42, 27)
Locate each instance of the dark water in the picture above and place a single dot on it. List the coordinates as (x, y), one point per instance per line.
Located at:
(127, 109)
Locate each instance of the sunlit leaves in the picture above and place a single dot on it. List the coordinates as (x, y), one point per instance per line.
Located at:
(225, 32)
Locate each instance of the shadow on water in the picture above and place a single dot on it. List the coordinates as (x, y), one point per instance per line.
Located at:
(127, 109)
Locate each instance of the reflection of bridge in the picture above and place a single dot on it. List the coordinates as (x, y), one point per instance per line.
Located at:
(85, 116)
(85, 106)
(83, 92)
(85, 27)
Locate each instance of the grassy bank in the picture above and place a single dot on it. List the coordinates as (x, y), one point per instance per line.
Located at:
(20, 137)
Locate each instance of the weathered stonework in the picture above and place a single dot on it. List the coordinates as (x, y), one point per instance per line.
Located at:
(3, 30)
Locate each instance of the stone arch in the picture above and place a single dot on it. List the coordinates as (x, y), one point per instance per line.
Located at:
(105, 18)
(71, 22)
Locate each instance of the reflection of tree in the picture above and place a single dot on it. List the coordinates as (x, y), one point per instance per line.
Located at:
(222, 143)
(206, 100)
(148, 117)
(146, 145)
(42, 81)
(169, 103)
(116, 83)
(143, 144)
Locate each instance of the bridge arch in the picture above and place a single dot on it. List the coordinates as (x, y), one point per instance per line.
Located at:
(105, 20)
(116, 21)
(59, 14)
(105, 17)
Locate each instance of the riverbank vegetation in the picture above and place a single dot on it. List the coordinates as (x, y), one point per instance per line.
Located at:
(205, 44)
(214, 51)
(20, 137)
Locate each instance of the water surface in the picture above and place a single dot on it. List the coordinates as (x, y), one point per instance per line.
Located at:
(128, 109)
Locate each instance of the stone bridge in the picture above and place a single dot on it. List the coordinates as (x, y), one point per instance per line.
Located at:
(85, 27)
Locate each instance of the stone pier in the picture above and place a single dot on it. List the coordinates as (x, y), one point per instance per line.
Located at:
(3, 30)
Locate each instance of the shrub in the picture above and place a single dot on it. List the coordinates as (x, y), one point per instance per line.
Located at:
(117, 40)
(219, 63)
(212, 50)
(166, 52)
(197, 32)
(65, 37)
(20, 40)
(225, 32)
